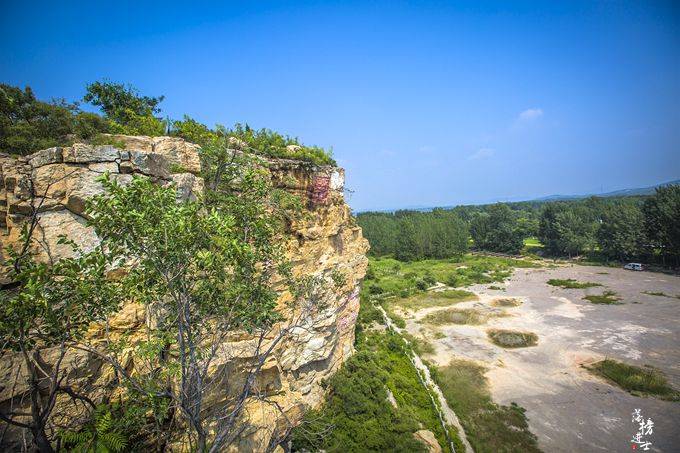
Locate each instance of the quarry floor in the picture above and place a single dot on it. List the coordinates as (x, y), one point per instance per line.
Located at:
(568, 408)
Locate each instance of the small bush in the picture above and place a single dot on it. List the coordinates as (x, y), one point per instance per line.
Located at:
(375, 289)
(641, 381)
(571, 283)
(606, 298)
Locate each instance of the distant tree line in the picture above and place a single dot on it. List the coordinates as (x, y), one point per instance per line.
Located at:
(645, 228)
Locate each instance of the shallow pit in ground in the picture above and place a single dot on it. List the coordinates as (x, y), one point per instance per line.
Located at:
(507, 302)
(512, 338)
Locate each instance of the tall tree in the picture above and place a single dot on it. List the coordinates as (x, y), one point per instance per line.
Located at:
(621, 235)
(662, 222)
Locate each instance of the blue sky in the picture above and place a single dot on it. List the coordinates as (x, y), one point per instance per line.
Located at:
(424, 103)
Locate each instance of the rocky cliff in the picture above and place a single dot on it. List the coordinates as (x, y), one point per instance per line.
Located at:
(56, 182)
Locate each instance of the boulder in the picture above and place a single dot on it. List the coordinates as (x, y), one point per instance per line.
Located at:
(428, 439)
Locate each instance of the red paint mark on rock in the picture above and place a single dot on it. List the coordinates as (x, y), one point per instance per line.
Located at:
(319, 190)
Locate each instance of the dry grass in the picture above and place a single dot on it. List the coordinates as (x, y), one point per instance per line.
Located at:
(455, 316)
(511, 338)
(506, 303)
(435, 299)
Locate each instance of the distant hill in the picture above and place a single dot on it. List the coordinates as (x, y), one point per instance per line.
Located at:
(639, 191)
(617, 193)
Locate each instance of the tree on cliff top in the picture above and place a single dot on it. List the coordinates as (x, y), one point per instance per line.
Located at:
(28, 125)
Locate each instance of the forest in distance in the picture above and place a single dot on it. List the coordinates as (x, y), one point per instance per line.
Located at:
(616, 229)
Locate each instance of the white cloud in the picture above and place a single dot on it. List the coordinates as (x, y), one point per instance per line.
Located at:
(482, 153)
(530, 114)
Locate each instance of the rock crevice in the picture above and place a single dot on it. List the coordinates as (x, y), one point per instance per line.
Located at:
(57, 182)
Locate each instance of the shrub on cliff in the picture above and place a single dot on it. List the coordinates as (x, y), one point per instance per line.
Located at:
(28, 125)
(204, 269)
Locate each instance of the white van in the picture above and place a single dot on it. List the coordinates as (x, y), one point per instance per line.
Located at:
(633, 266)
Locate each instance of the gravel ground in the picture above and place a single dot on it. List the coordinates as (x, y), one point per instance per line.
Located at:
(568, 408)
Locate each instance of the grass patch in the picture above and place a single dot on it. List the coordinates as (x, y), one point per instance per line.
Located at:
(420, 346)
(606, 298)
(639, 381)
(439, 335)
(402, 279)
(497, 288)
(490, 427)
(512, 338)
(506, 303)
(660, 294)
(571, 283)
(602, 273)
(455, 316)
(396, 319)
(435, 299)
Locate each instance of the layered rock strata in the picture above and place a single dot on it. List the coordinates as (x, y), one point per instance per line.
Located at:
(55, 183)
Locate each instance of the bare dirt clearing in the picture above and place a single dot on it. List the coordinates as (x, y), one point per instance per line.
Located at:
(568, 408)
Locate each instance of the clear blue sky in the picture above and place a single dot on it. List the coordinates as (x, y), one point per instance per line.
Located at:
(424, 103)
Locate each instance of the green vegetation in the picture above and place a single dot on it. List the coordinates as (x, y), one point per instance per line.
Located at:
(412, 236)
(434, 299)
(660, 294)
(511, 338)
(599, 230)
(509, 302)
(496, 288)
(532, 246)
(489, 427)
(455, 316)
(392, 277)
(209, 263)
(606, 298)
(639, 381)
(420, 345)
(497, 230)
(28, 125)
(357, 415)
(571, 283)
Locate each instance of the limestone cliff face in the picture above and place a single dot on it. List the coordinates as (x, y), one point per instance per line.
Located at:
(57, 181)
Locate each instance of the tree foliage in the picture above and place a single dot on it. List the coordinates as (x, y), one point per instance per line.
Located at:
(410, 235)
(623, 228)
(662, 222)
(497, 230)
(28, 125)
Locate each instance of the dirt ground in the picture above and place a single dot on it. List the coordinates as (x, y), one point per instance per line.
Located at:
(568, 408)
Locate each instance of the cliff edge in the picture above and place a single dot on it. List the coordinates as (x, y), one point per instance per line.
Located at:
(56, 183)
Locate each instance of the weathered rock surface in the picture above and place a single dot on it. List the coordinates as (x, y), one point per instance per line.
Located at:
(56, 182)
(428, 439)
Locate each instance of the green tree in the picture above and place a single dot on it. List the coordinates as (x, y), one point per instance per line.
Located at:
(44, 312)
(28, 125)
(406, 243)
(128, 111)
(497, 230)
(206, 268)
(621, 235)
(662, 222)
(574, 233)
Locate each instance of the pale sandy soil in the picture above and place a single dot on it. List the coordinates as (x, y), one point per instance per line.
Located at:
(568, 408)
